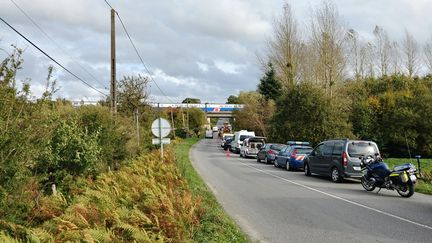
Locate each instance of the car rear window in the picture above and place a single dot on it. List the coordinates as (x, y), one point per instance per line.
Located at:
(361, 148)
(303, 150)
(243, 137)
(277, 147)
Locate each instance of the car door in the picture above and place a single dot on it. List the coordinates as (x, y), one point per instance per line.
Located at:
(314, 158)
(282, 155)
(336, 159)
(326, 162)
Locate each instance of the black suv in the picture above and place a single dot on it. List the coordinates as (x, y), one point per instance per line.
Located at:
(339, 158)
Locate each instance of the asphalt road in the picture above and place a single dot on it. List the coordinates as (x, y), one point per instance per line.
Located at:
(274, 205)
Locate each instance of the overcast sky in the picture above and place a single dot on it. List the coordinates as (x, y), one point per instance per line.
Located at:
(195, 48)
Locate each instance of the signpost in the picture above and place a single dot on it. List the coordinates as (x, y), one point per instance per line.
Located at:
(161, 128)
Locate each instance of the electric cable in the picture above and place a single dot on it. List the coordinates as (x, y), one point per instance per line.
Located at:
(52, 59)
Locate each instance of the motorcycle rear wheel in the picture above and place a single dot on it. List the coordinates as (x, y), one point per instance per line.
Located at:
(368, 186)
(406, 190)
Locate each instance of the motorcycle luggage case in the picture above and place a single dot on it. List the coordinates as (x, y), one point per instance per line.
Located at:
(404, 167)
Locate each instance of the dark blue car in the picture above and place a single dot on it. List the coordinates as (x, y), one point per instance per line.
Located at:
(292, 156)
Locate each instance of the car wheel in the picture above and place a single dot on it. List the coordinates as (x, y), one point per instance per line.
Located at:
(335, 175)
(287, 166)
(307, 169)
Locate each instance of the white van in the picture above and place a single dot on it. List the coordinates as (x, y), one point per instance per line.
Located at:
(238, 140)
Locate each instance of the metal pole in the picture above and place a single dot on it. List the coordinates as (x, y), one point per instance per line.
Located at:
(160, 133)
(187, 117)
(137, 127)
(113, 65)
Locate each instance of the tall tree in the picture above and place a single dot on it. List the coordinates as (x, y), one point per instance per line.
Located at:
(410, 49)
(383, 49)
(328, 36)
(285, 48)
(428, 55)
(269, 86)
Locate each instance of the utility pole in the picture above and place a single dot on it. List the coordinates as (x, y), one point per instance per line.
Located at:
(113, 65)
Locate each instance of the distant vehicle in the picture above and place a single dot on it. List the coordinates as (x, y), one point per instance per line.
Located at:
(238, 140)
(292, 156)
(209, 134)
(251, 146)
(339, 158)
(268, 152)
(215, 129)
(225, 137)
(227, 143)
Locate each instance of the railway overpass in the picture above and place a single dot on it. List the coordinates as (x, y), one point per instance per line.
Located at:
(211, 110)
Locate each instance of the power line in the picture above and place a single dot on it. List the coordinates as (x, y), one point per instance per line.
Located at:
(52, 59)
(139, 56)
(108, 4)
(55, 43)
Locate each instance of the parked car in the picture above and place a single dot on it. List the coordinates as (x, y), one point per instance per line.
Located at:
(292, 156)
(339, 158)
(209, 134)
(215, 129)
(238, 140)
(227, 144)
(268, 152)
(225, 137)
(251, 146)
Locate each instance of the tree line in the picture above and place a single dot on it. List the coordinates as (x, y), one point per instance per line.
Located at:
(325, 81)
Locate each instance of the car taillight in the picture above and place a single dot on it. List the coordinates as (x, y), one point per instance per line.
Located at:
(294, 154)
(271, 152)
(344, 159)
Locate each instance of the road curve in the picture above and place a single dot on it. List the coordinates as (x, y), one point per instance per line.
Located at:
(273, 205)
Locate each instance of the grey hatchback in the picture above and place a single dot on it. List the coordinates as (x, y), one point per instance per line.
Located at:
(339, 158)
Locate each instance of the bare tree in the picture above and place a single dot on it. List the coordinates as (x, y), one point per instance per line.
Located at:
(410, 50)
(327, 40)
(284, 47)
(354, 54)
(383, 48)
(428, 54)
(396, 58)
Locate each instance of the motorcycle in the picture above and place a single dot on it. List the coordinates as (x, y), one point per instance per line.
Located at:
(377, 174)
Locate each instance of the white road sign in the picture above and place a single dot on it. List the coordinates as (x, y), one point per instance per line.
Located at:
(158, 141)
(161, 128)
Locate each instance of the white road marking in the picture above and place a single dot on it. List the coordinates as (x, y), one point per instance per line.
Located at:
(339, 198)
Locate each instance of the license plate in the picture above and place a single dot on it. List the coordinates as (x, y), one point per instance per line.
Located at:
(413, 177)
(356, 168)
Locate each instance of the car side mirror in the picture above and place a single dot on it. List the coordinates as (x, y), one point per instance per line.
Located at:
(313, 153)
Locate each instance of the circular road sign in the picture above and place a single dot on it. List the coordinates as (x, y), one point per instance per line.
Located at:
(165, 127)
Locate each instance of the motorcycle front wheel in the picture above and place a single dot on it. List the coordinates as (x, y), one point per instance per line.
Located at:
(367, 185)
(406, 190)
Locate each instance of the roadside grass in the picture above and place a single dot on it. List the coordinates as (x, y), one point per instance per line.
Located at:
(424, 184)
(215, 225)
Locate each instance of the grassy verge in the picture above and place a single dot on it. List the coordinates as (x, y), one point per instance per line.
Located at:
(425, 184)
(215, 224)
